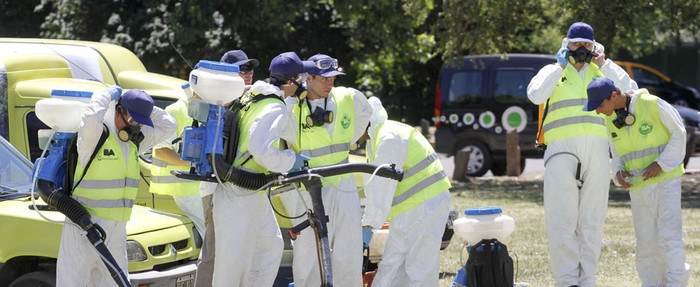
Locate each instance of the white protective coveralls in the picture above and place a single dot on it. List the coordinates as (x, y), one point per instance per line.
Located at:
(412, 252)
(78, 262)
(342, 205)
(205, 264)
(656, 209)
(248, 239)
(575, 216)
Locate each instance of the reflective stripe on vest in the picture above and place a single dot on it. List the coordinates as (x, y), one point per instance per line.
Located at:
(162, 181)
(247, 116)
(640, 144)
(109, 187)
(424, 176)
(316, 143)
(565, 118)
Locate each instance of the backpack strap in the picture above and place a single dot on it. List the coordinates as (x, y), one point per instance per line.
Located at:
(100, 143)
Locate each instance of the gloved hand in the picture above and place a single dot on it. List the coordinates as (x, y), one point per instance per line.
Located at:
(114, 92)
(561, 56)
(299, 162)
(366, 235)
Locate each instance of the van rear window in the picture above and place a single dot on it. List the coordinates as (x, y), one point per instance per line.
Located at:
(466, 87)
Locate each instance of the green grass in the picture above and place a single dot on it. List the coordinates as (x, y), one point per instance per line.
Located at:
(522, 200)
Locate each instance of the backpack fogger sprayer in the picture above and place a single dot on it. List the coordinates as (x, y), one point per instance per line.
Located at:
(54, 173)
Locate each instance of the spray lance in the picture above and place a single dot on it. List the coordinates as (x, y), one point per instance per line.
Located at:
(54, 172)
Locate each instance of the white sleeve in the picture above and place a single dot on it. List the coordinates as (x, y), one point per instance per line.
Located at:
(616, 163)
(542, 85)
(265, 130)
(91, 126)
(363, 111)
(672, 156)
(164, 126)
(380, 191)
(618, 75)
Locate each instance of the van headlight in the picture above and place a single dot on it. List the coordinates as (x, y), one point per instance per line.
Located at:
(134, 251)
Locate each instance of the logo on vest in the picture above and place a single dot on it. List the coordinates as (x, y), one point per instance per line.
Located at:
(645, 128)
(345, 122)
(108, 152)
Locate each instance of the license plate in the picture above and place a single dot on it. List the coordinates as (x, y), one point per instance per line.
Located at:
(185, 281)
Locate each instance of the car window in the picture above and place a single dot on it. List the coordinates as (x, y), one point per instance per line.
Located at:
(466, 88)
(646, 77)
(34, 124)
(15, 171)
(510, 86)
(162, 102)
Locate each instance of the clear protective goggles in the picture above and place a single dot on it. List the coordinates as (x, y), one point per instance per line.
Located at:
(326, 63)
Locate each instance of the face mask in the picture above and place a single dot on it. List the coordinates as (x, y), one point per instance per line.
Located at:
(130, 132)
(580, 55)
(320, 116)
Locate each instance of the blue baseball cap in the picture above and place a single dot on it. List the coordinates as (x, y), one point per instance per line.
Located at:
(331, 65)
(598, 90)
(287, 64)
(580, 32)
(238, 57)
(139, 105)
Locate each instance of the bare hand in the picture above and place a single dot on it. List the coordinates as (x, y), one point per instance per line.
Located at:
(621, 175)
(653, 170)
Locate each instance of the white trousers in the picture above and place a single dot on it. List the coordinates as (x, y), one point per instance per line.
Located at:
(575, 216)
(412, 251)
(79, 264)
(248, 240)
(660, 256)
(191, 206)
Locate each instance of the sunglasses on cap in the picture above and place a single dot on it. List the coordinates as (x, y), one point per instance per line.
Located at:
(326, 63)
(245, 69)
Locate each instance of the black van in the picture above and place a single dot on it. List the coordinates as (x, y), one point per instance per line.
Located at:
(481, 98)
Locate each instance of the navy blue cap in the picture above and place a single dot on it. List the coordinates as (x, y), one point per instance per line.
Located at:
(483, 211)
(238, 57)
(598, 90)
(139, 105)
(580, 32)
(311, 68)
(287, 64)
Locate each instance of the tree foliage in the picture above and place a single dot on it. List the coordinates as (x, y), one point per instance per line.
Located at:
(390, 49)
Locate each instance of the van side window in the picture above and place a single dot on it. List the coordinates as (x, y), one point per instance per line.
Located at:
(646, 77)
(34, 124)
(510, 86)
(465, 87)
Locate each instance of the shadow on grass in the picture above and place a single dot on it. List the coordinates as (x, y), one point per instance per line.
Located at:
(531, 190)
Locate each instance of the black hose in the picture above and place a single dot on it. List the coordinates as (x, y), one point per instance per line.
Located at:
(388, 172)
(237, 176)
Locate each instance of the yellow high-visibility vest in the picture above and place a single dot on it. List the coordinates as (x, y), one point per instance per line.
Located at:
(565, 118)
(315, 142)
(646, 139)
(109, 187)
(423, 177)
(162, 181)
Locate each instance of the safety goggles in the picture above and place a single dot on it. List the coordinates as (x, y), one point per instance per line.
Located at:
(326, 63)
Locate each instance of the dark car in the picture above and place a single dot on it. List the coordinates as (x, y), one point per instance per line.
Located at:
(481, 98)
(661, 85)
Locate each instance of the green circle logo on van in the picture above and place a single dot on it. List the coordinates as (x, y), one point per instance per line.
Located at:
(645, 128)
(454, 118)
(498, 129)
(514, 118)
(468, 118)
(487, 119)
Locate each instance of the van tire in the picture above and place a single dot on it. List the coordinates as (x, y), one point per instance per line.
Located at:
(479, 158)
(500, 167)
(35, 279)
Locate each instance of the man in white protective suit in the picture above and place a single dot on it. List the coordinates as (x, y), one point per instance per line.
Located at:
(331, 119)
(417, 207)
(577, 168)
(647, 136)
(248, 239)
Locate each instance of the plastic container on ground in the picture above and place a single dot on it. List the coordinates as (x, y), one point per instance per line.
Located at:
(216, 83)
(483, 223)
(64, 110)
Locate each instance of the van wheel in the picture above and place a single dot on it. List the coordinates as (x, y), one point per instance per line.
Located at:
(35, 279)
(500, 167)
(479, 158)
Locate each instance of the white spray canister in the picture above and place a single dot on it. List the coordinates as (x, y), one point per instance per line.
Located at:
(64, 110)
(483, 223)
(216, 83)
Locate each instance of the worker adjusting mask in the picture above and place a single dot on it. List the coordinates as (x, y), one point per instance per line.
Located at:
(580, 55)
(129, 132)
